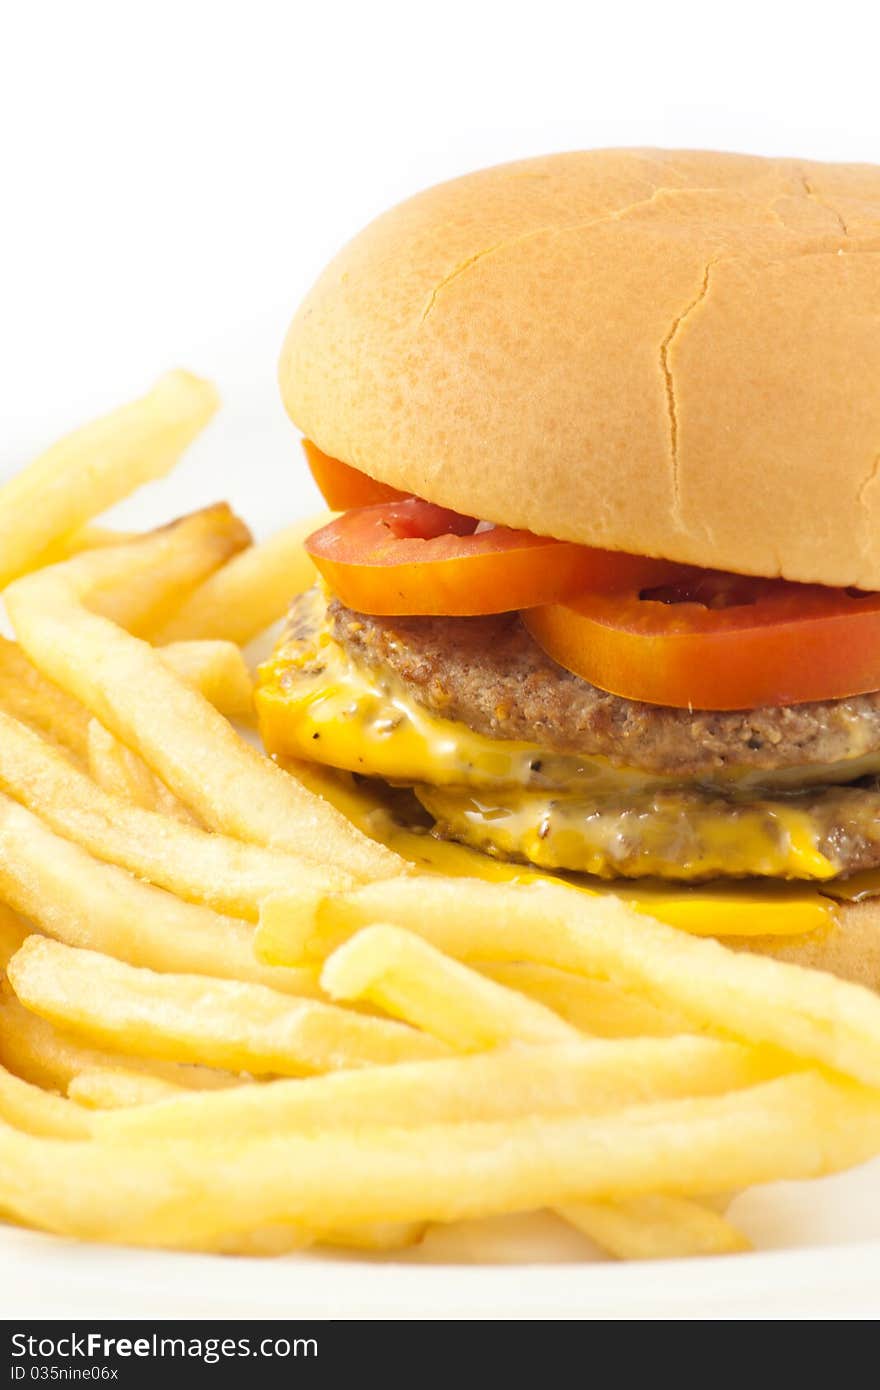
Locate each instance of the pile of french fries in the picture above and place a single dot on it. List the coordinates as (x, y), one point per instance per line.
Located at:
(231, 1022)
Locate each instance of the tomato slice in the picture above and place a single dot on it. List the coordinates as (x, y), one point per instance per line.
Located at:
(410, 557)
(342, 486)
(707, 640)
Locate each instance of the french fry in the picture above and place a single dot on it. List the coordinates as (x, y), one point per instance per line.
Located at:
(585, 1077)
(655, 1228)
(70, 895)
(88, 537)
(125, 775)
(262, 1242)
(27, 695)
(417, 983)
(183, 553)
(12, 933)
(591, 1006)
(805, 1012)
(110, 1088)
(98, 465)
(218, 670)
(284, 1239)
(199, 867)
(28, 1107)
(34, 1050)
(411, 980)
(511, 1238)
(126, 685)
(119, 771)
(155, 1191)
(187, 1018)
(250, 592)
(376, 1239)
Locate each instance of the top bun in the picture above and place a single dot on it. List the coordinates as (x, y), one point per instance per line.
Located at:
(675, 353)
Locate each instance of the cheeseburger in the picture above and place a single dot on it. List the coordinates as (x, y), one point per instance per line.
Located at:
(603, 596)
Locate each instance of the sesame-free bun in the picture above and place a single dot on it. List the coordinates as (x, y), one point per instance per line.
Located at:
(675, 353)
(848, 947)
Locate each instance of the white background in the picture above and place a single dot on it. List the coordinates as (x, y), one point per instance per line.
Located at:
(174, 174)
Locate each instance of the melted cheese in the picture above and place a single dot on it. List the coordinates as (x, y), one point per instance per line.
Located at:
(316, 705)
(747, 908)
(314, 702)
(686, 837)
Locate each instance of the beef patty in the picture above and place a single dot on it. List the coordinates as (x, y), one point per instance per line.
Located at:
(490, 674)
(690, 813)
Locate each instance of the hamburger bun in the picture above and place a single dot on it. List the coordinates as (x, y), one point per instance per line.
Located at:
(672, 353)
(849, 947)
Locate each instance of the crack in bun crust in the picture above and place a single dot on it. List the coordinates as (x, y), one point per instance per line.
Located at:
(674, 353)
